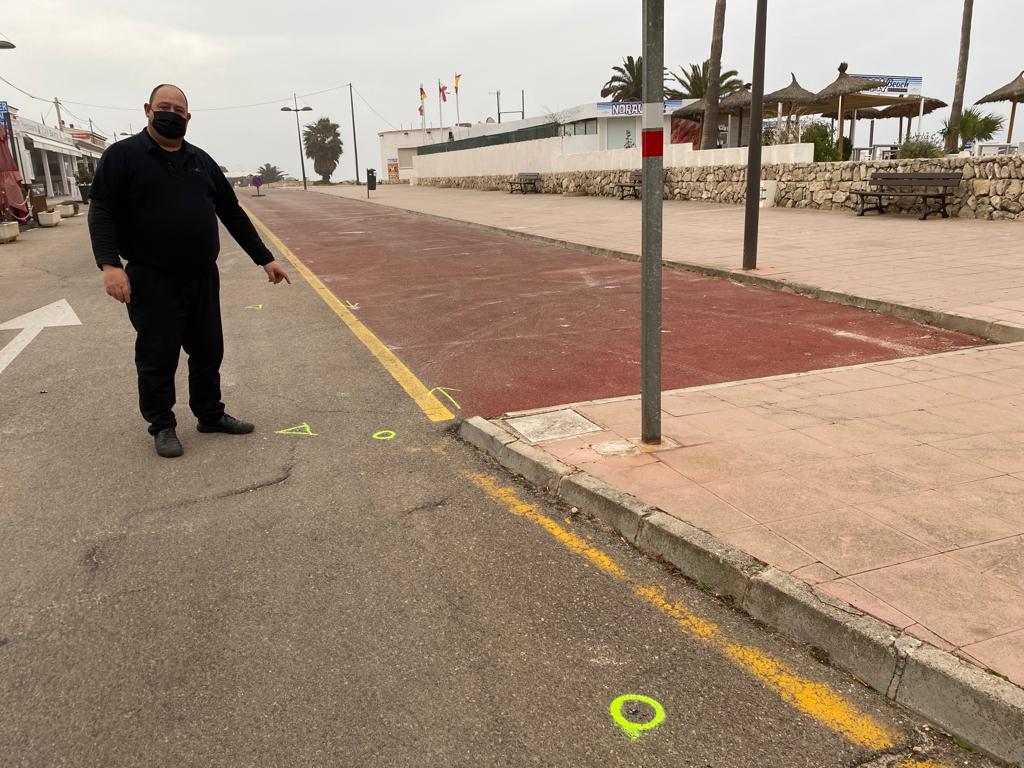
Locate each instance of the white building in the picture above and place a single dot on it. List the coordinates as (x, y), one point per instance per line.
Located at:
(47, 157)
(594, 127)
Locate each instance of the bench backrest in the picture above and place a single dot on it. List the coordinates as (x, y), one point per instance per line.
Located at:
(941, 179)
(528, 177)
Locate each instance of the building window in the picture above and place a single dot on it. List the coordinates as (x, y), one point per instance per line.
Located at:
(580, 128)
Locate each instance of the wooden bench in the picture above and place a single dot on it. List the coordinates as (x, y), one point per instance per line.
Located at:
(524, 182)
(631, 187)
(927, 186)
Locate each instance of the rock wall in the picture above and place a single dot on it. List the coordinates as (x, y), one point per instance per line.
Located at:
(992, 187)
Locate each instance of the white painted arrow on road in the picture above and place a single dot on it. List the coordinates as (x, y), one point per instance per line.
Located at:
(31, 323)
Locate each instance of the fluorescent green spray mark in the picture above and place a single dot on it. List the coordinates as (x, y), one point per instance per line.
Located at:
(633, 730)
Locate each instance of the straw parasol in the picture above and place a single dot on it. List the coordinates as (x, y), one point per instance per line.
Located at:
(790, 98)
(910, 108)
(690, 111)
(1012, 92)
(848, 92)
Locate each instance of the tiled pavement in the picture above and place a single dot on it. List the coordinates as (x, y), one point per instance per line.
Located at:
(896, 486)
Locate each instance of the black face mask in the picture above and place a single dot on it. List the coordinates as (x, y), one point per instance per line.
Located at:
(170, 125)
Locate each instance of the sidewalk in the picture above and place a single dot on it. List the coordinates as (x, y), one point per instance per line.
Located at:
(897, 487)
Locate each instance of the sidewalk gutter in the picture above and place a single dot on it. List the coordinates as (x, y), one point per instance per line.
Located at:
(980, 708)
(989, 330)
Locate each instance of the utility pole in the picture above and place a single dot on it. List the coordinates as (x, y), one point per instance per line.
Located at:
(653, 151)
(60, 121)
(753, 211)
(355, 147)
(522, 102)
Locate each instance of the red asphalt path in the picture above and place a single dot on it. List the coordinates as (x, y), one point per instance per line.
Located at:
(513, 324)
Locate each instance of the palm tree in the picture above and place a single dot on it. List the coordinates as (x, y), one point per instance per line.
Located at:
(323, 146)
(270, 173)
(952, 136)
(694, 83)
(627, 81)
(709, 132)
(973, 126)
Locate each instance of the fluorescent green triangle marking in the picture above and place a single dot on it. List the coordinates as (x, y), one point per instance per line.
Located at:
(302, 429)
(254, 306)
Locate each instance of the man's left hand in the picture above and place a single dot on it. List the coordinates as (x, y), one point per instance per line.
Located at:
(276, 273)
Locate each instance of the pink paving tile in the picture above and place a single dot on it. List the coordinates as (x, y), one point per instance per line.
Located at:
(949, 598)
(563, 449)
(1004, 655)
(939, 521)
(611, 468)
(1002, 451)
(772, 495)
(789, 448)
(732, 424)
(815, 573)
(972, 387)
(922, 633)
(850, 541)
(925, 426)
(853, 480)
(651, 478)
(858, 436)
(863, 378)
(1002, 559)
(686, 403)
(622, 416)
(929, 466)
(767, 546)
(679, 429)
(712, 461)
(1002, 496)
(700, 508)
(784, 415)
(862, 600)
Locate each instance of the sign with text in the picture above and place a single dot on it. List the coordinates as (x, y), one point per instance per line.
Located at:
(897, 85)
(631, 108)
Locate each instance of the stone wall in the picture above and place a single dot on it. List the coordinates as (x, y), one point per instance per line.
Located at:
(992, 188)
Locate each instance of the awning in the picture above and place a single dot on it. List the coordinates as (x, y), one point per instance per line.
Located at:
(41, 142)
(90, 153)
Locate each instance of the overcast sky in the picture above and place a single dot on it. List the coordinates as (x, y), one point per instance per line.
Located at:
(229, 52)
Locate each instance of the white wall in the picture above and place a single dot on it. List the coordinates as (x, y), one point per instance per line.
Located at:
(549, 156)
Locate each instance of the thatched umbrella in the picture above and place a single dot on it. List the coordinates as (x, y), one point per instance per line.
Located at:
(736, 103)
(849, 92)
(911, 108)
(793, 96)
(1012, 92)
(853, 115)
(690, 111)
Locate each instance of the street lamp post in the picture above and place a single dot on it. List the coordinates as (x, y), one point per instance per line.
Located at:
(298, 130)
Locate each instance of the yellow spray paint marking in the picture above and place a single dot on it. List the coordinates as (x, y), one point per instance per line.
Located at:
(302, 429)
(444, 392)
(254, 306)
(407, 380)
(632, 729)
(816, 700)
(350, 305)
(384, 434)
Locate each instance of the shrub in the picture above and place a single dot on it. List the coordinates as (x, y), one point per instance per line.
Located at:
(922, 145)
(823, 137)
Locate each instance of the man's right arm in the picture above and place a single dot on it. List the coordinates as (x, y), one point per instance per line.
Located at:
(103, 227)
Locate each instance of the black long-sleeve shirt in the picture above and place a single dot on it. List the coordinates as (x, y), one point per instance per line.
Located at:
(160, 208)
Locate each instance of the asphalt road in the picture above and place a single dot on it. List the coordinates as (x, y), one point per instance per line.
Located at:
(334, 599)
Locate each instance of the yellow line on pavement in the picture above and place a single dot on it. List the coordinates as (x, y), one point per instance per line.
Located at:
(407, 380)
(816, 700)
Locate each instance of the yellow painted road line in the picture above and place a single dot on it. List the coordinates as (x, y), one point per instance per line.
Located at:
(407, 380)
(816, 700)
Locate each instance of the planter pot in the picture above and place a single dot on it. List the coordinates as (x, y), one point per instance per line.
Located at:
(8, 231)
(83, 190)
(66, 210)
(49, 218)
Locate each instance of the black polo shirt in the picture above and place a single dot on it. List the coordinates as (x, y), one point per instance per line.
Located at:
(160, 208)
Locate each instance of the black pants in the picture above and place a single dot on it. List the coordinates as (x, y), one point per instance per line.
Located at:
(172, 313)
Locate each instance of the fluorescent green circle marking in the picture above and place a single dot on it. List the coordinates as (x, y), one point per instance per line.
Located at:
(384, 434)
(633, 730)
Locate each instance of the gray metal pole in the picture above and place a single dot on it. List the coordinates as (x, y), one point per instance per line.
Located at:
(298, 130)
(756, 131)
(652, 151)
(355, 146)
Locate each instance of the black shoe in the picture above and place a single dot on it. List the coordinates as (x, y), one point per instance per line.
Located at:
(167, 443)
(228, 424)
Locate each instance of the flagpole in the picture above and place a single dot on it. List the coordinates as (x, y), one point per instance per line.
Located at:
(458, 112)
(423, 111)
(440, 106)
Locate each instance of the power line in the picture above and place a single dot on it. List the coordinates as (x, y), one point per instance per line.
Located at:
(378, 114)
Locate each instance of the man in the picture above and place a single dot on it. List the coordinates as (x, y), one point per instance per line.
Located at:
(155, 202)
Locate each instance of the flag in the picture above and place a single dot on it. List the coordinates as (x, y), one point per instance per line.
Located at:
(421, 109)
(457, 78)
(443, 90)
(423, 94)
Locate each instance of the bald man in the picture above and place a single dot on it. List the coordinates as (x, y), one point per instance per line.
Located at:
(155, 201)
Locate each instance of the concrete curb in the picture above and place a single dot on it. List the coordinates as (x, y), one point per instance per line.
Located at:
(973, 326)
(982, 709)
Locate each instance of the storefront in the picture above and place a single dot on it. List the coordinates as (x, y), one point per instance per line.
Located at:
(47, 157)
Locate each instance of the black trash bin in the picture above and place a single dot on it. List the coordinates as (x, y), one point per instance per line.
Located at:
(371, 179)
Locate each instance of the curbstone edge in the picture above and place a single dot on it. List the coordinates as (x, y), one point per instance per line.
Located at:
(624, 513)
(486, 436)
(534, 464)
